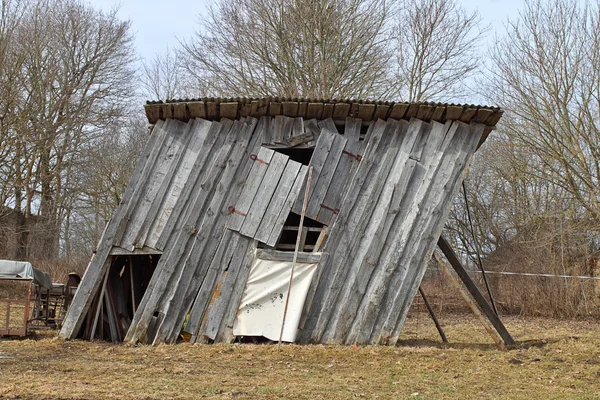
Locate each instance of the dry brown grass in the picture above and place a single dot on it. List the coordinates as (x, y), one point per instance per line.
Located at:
(555, 359)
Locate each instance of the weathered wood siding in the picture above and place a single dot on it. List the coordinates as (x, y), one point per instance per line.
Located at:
(205, 194)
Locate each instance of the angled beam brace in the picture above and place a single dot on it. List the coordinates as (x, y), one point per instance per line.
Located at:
(474, 290)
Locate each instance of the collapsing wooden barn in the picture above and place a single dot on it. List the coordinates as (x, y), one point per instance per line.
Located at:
(203, 239)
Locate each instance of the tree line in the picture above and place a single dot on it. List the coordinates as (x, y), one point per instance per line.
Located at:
(71, 124)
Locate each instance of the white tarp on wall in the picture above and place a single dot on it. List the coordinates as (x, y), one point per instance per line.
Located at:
(24, 270)
(263, 302)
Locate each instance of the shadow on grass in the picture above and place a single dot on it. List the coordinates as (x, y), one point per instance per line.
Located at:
(526, 344)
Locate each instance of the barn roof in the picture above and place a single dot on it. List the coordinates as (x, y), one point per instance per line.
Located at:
(211, 108)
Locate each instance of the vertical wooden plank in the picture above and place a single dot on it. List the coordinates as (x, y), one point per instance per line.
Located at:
(441, 177)
(328, 124)
(349, 158)
(276, 205)
(178, 300)
(317, 161)
(165, 185)
(264, 194)
(259, 168)
(322, 184)
(199, 136)
(171, 263)
(291, 199)
(215, 138)
(346, 225)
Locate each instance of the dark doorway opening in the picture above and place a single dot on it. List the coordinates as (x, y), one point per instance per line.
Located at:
(113, 308)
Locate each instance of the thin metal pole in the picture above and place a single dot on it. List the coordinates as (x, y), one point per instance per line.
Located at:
(433, 317)
(478, 250)
(287, 298)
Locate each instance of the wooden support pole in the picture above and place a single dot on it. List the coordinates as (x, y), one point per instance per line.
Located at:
(433, 317)
(93, 332)
(298, 240)
(493, 334)
(132, 288)
(474, 291)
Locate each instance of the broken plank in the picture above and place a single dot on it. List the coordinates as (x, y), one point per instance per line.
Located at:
(291, 199)
(264, 194)
(241, 208)
(278, 201)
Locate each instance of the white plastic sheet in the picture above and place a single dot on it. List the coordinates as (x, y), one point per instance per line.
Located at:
(24, 270)
(262, 306)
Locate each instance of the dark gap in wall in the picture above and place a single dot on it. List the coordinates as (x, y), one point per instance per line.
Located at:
(301, 155)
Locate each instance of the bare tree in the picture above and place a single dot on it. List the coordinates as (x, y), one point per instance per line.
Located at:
(310, 48)
(163, 77)
(75, 78)
(437, 44)
(547, 76)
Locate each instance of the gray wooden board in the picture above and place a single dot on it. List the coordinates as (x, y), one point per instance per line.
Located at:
(166, 183)
(264, 126)
(277, 129)
(139, 186)
(287, 206)
(311, 291)
(199, 136)
(218, 267)
(437, 180)
(317, 161)
(215, 187)
(225, 333)
(265, 192)
(362, 228)
(237, 178)
(167, 157)
(437, 217)
(259, 168)
(339, 184)
(328, 125)
(180, 246)
(216, 216)
(312, 126)
(321, 185)
(177, 217)
(366, 261)
(210, 229)
(287, 256)
(201, 288)
(342, 174)
(368, 307)
(315, 322)
(96, 270)
(346, 226)
(297, 141)
(352, 129)
(278, 201)
(217, 309)
(142, 191)
(362, 264)
(298, 126)
(396, 242)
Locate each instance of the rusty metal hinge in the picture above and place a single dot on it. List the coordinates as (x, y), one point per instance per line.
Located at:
(253, 157)
(232, 210)
(336, 211)
(358, 157)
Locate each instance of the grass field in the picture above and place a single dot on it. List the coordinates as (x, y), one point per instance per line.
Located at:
(554, 359)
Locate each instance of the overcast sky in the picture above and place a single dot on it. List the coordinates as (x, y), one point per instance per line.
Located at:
(158, 24)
